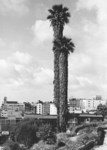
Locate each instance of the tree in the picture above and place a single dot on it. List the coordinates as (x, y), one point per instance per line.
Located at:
(65, 46)
(102, 109)
(25, 132)
(58, 17)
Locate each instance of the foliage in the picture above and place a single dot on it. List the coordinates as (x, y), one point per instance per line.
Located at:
(64, 45)
(10, 145)
(3, 139)
(43, 146)
(58, 15)
(47, 134)
(102, 109)
(30, 131)
(25, 132)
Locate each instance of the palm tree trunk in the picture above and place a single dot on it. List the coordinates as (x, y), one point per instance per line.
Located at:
(63, 78)
(56, 84)
(58, 33)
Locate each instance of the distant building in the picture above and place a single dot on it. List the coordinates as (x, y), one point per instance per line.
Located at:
(46, 108)
(97, 97)
(28, 107)
(4, 113)
(91, 104)
(74, 105)
(14, 114)
(53, 109)
(39, 107)
(12, 105)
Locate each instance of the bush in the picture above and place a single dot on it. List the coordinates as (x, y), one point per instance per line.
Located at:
(3, 139)
(25, 132)
(10, 145)
(30, 131)
(46, 133)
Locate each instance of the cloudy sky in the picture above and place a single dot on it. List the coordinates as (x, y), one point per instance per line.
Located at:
(26, 57)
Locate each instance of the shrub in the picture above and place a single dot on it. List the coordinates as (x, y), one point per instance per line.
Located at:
(30, 131)
(47, 133)
(25, 132)
(10, 145)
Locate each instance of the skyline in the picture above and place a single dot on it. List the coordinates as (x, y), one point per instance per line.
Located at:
(26, 57)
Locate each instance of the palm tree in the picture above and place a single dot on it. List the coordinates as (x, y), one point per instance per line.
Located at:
(65, 46)
(58, 17)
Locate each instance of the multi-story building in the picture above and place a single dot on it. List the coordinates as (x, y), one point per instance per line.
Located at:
(53, 109)
(46, 108)
(4, 113)
(12, 105)
(74, 105)
(79, 105)
(49, 108)
(91, 104)
(39, 107)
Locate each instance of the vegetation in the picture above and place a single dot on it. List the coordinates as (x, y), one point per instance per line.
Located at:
(65, 46)
(30, 131)
(102, 109)
(10, 145)
(85, 140)
(58, 17)
(37, 135)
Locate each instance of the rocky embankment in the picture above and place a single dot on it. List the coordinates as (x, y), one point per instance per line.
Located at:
(83, 137)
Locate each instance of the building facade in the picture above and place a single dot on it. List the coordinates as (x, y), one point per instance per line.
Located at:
(39, 107)
(12, 105)
(53, 109)
(79, 105)
(74, 105)
(91, 104)
(46, 108)
(49, 108)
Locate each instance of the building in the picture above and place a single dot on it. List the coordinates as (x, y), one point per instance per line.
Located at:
(74, 105)
(49, 108)
(39, 107)
(46, 108)
(12, 105)
(53, 109)
(97, 97)
(4, 114)
(91, 104)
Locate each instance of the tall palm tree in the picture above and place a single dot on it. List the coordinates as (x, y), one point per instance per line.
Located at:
(58, 17)
(65, 46)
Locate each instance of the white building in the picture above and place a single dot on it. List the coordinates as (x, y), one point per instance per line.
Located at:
(53, 109)
(91, 104)
(39, 107)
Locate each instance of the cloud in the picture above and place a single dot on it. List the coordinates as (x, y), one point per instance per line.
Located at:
(2, 43)
(21, 69)
(88, 65)
(21, 58)
(14, 6)
(44, 76)
(99, 5)
(43, 31)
